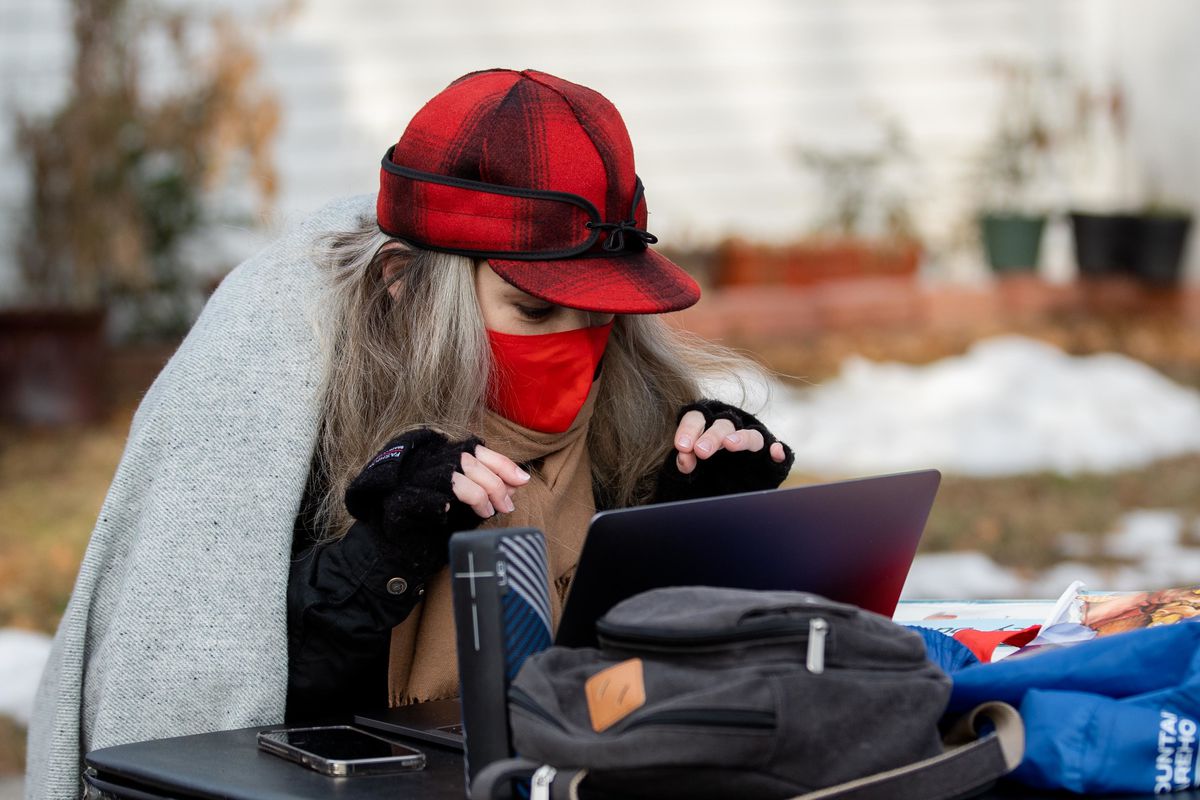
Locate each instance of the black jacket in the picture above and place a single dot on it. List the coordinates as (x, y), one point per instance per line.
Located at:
(345, 597)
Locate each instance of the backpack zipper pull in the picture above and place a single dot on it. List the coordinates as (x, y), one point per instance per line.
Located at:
(816, 645)
(539, 784)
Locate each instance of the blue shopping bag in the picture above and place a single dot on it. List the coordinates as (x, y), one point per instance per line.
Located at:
(1116, 714)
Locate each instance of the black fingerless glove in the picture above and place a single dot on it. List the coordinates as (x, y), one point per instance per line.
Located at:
(724, 472)
(404, 497)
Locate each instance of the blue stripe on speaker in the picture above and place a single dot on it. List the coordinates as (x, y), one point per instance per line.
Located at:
(524, 633)
(526, 606)
(518, 619)
(528, 573)
(530, 556)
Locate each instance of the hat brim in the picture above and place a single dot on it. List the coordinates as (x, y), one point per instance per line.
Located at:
(642, 282)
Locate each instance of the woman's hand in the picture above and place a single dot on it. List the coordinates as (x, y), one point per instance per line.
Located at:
(487, 482)
(742, 454)
(693, 442)
(421, 488)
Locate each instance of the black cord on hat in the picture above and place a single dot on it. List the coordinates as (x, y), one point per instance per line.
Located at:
(616, 239)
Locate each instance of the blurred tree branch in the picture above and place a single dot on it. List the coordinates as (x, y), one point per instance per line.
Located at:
(858, 199)
(118, 172)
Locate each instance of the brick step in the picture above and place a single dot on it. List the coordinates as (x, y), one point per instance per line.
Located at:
(755, 313)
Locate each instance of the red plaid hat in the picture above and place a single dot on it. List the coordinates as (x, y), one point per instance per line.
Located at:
(535, 174)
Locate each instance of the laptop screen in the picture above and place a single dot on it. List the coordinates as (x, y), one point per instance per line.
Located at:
(851, 541)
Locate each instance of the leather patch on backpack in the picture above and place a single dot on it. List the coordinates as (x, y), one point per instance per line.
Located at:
(615, 693)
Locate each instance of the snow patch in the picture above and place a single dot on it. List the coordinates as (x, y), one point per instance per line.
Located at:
(23, 656)
(1146, 534)
(1149, 542)
(937, 576)
(1010, 405)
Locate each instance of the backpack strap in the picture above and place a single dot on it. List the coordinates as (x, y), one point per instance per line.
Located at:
(494, 781)
(500, 774)
(969, 765)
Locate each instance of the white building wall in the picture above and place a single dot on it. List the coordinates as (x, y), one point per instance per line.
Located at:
(716, 95)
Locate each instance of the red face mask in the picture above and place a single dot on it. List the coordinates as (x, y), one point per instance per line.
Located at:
(541, 382)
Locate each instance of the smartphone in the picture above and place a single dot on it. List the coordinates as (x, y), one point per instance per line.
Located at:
(340, 750)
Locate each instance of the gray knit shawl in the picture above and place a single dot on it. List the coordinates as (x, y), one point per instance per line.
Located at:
(178, 621)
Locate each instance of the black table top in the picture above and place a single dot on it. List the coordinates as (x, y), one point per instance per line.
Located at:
(228, 764)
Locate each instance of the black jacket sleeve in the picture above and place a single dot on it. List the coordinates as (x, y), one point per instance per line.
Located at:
(345, 596)
(724, 472)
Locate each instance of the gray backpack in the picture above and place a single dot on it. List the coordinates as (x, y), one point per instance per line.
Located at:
(703, 692)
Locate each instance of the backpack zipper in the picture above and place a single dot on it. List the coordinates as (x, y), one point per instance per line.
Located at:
(670, 640)
(708, 718)
(702, 717)
(765, 625)
(815, 662)
(521, 699)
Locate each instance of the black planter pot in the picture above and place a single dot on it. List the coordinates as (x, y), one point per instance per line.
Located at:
(1105, 244)
(1161, 241)
(1012, 241)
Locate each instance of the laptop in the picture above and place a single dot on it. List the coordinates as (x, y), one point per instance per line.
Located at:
(851, 541)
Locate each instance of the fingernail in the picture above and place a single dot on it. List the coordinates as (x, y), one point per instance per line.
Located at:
(522, 474)
(704, 445)
(509, 507)
(685, 441)
(733, 438)
(491, 510)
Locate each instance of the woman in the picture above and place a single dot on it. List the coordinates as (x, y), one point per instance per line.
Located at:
(481, 349)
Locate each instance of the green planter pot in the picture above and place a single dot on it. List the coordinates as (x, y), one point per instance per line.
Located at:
(1012, 241)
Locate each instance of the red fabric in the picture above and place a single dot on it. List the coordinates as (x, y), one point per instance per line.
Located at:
(984, 643)
(459, 218)
(530, 131)
(626, 285)
(541, 382)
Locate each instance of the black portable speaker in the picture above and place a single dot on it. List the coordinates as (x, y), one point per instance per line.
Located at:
(501, 616)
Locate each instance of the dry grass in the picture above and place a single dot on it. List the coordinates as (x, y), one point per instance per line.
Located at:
(52, 484)
(1168, 345)
(12, 747)
(1017, 520)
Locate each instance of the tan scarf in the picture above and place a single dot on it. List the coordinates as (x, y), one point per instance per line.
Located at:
(557, 500)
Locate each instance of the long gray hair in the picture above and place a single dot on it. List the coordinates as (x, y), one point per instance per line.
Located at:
(412, 352)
